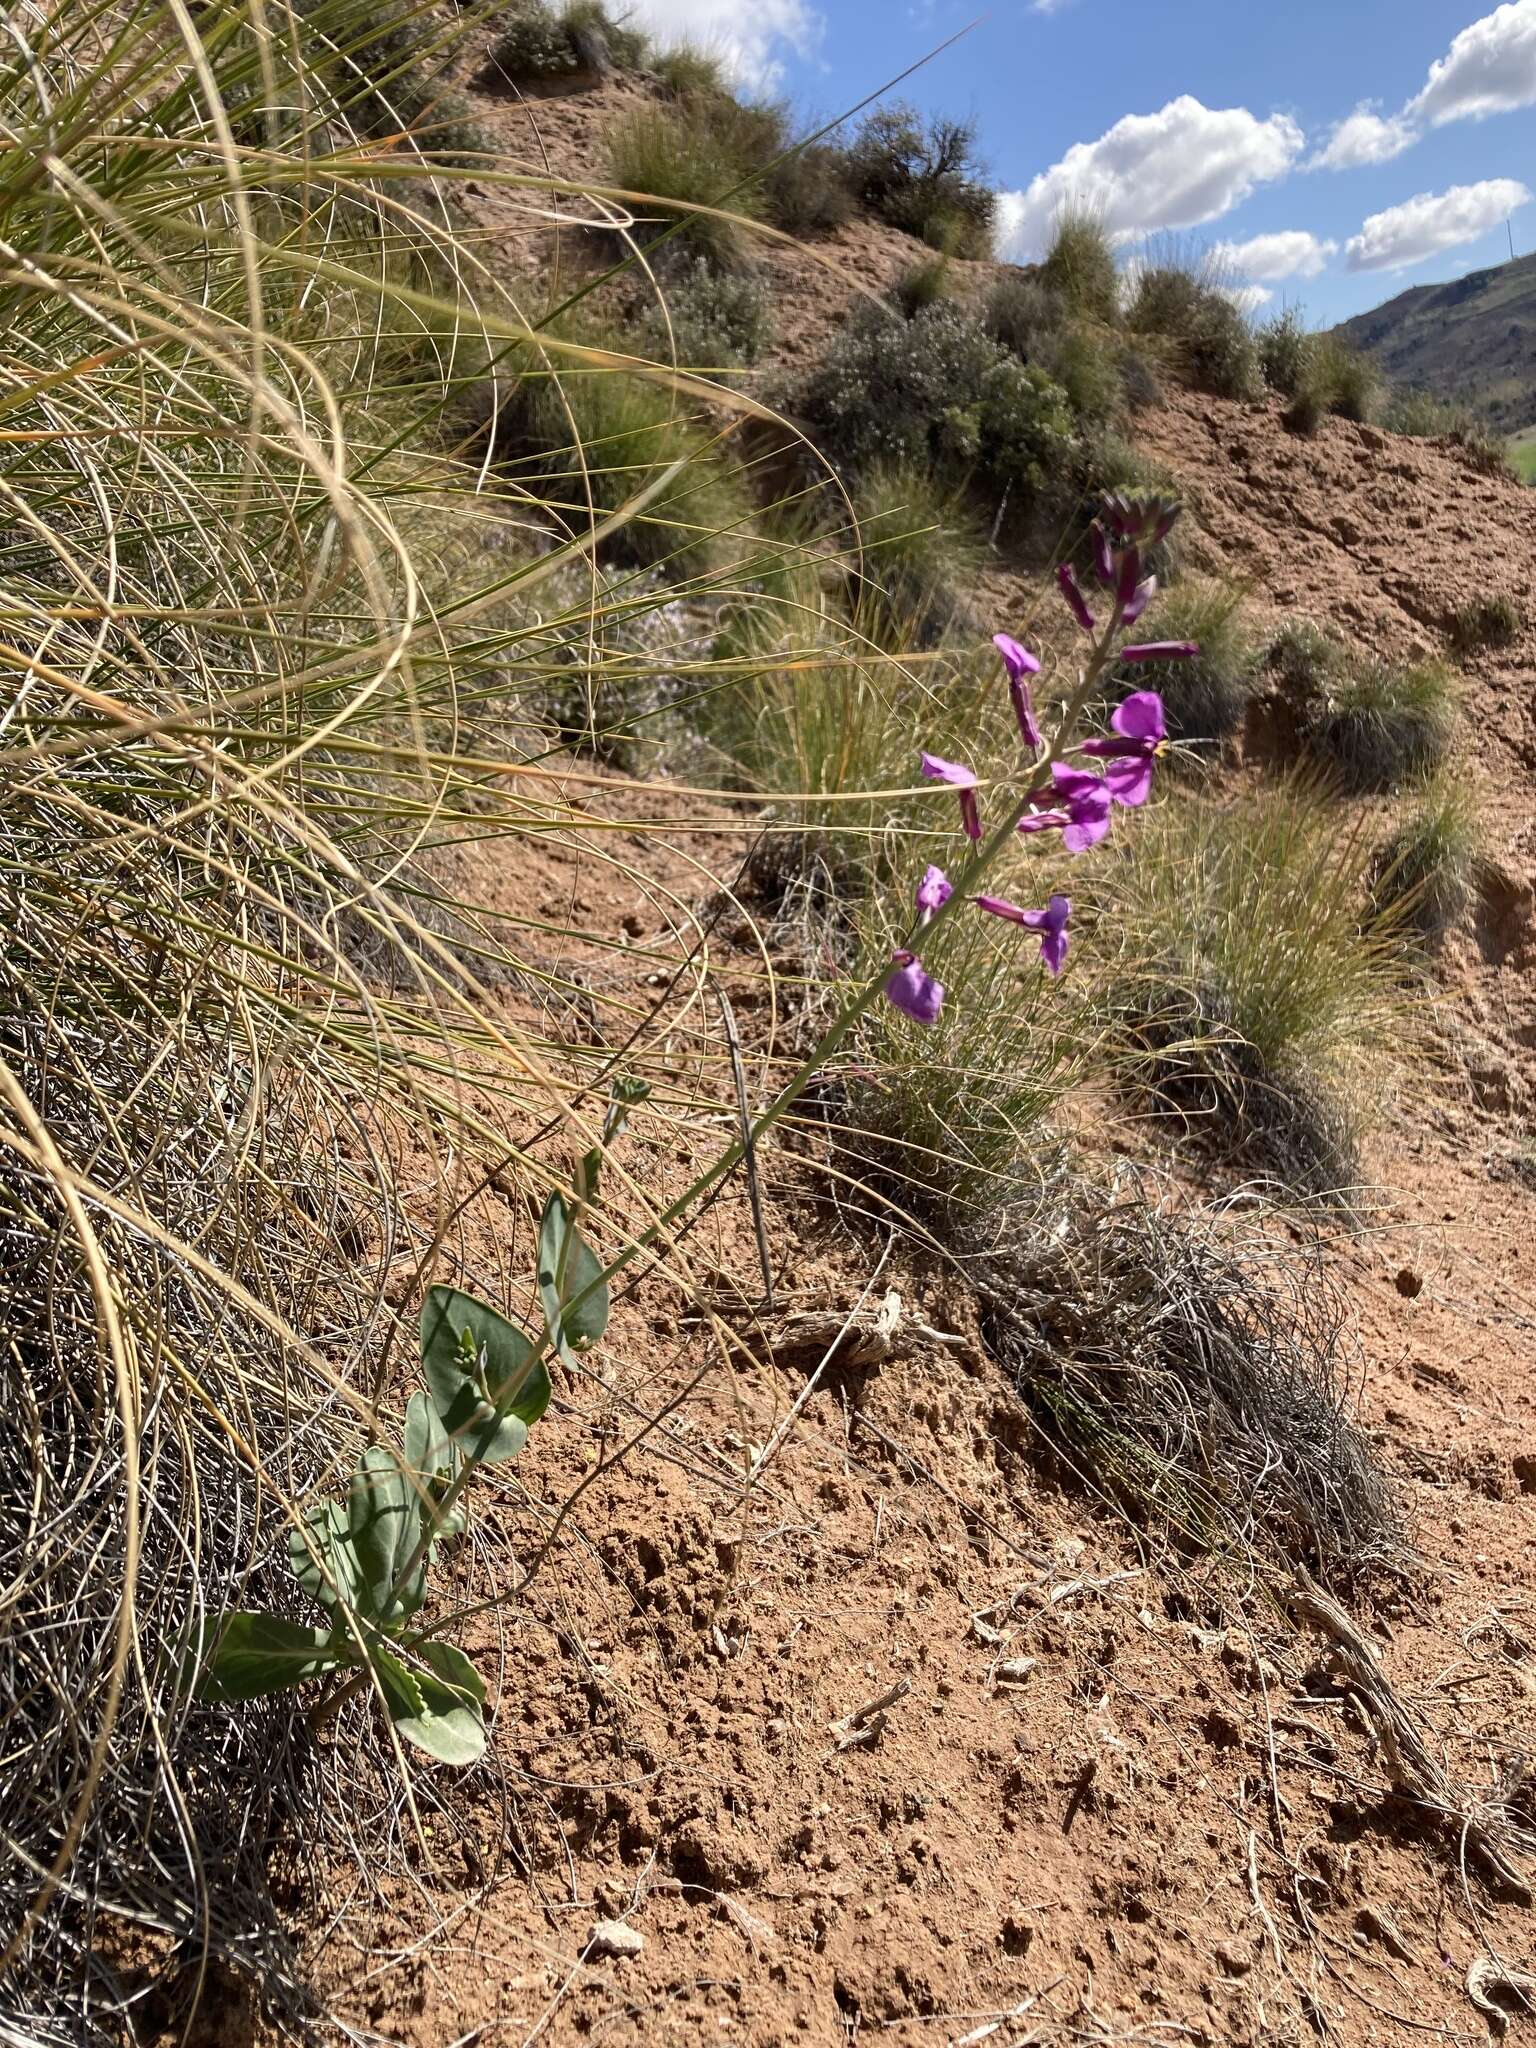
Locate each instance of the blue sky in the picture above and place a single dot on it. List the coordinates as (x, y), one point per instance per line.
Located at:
(1216, 119)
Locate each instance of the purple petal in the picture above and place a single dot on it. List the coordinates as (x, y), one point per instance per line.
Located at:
(1076, 785)
(1103, 557)
(1140, 599)
(1051, 923)
(999, 906)
(1076, 603)
(970, 814)
(1140, 717)
(933, 891)
(1130, 781)
(1044, 821)
(1016, 659)
(914, 991)
(1024, 712)
(937, 769)
(1162, 650)
(1129, 576)
(1086, 830)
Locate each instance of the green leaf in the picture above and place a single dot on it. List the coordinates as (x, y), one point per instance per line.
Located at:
(256, 1654)
(384, 1520)
(336, 1578)
(440, 1709)
(571, 1283)
(427, 1448)
(434, 1461)
(470, 1355)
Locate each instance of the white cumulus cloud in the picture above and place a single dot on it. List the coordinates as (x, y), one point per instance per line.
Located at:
(1364, 137)
(1177, 168)
(1425, 225)
(750, 41)
(1248, 298)
(1490, 68)
(1293, 252)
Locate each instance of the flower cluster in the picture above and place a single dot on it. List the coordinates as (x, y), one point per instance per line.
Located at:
(1082, 800)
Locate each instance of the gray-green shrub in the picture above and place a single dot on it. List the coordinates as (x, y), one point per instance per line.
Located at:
(923, 177)
(711, 319)
(937, 390)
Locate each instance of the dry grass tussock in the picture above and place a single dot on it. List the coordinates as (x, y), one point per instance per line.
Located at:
(1195, 1366)
(245, 713)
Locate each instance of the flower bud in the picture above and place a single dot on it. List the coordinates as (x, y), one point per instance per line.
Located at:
(1076, 603)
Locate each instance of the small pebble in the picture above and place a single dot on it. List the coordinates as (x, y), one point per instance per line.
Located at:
(613, 1938)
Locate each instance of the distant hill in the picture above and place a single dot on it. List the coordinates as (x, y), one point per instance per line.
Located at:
(1473, 339)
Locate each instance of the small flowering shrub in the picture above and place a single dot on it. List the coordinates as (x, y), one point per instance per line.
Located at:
(1024, 313)
(712, 319)
(1044, 329)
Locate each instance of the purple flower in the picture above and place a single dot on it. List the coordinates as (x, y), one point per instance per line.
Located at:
(1141, 735)
(1162, 650)
(1141, 597)
(1076, 603)
(913, 989)
(1085, 819)
(1145, 520)
(933, 892)
(1051, 923)
(937, 769)
(1020, 663)
(1103, 554)
(1128, 576)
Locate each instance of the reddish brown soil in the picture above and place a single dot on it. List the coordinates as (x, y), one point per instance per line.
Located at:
(1166, 1825)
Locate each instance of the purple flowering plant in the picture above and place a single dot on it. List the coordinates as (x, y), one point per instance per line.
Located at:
(1072, 796)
